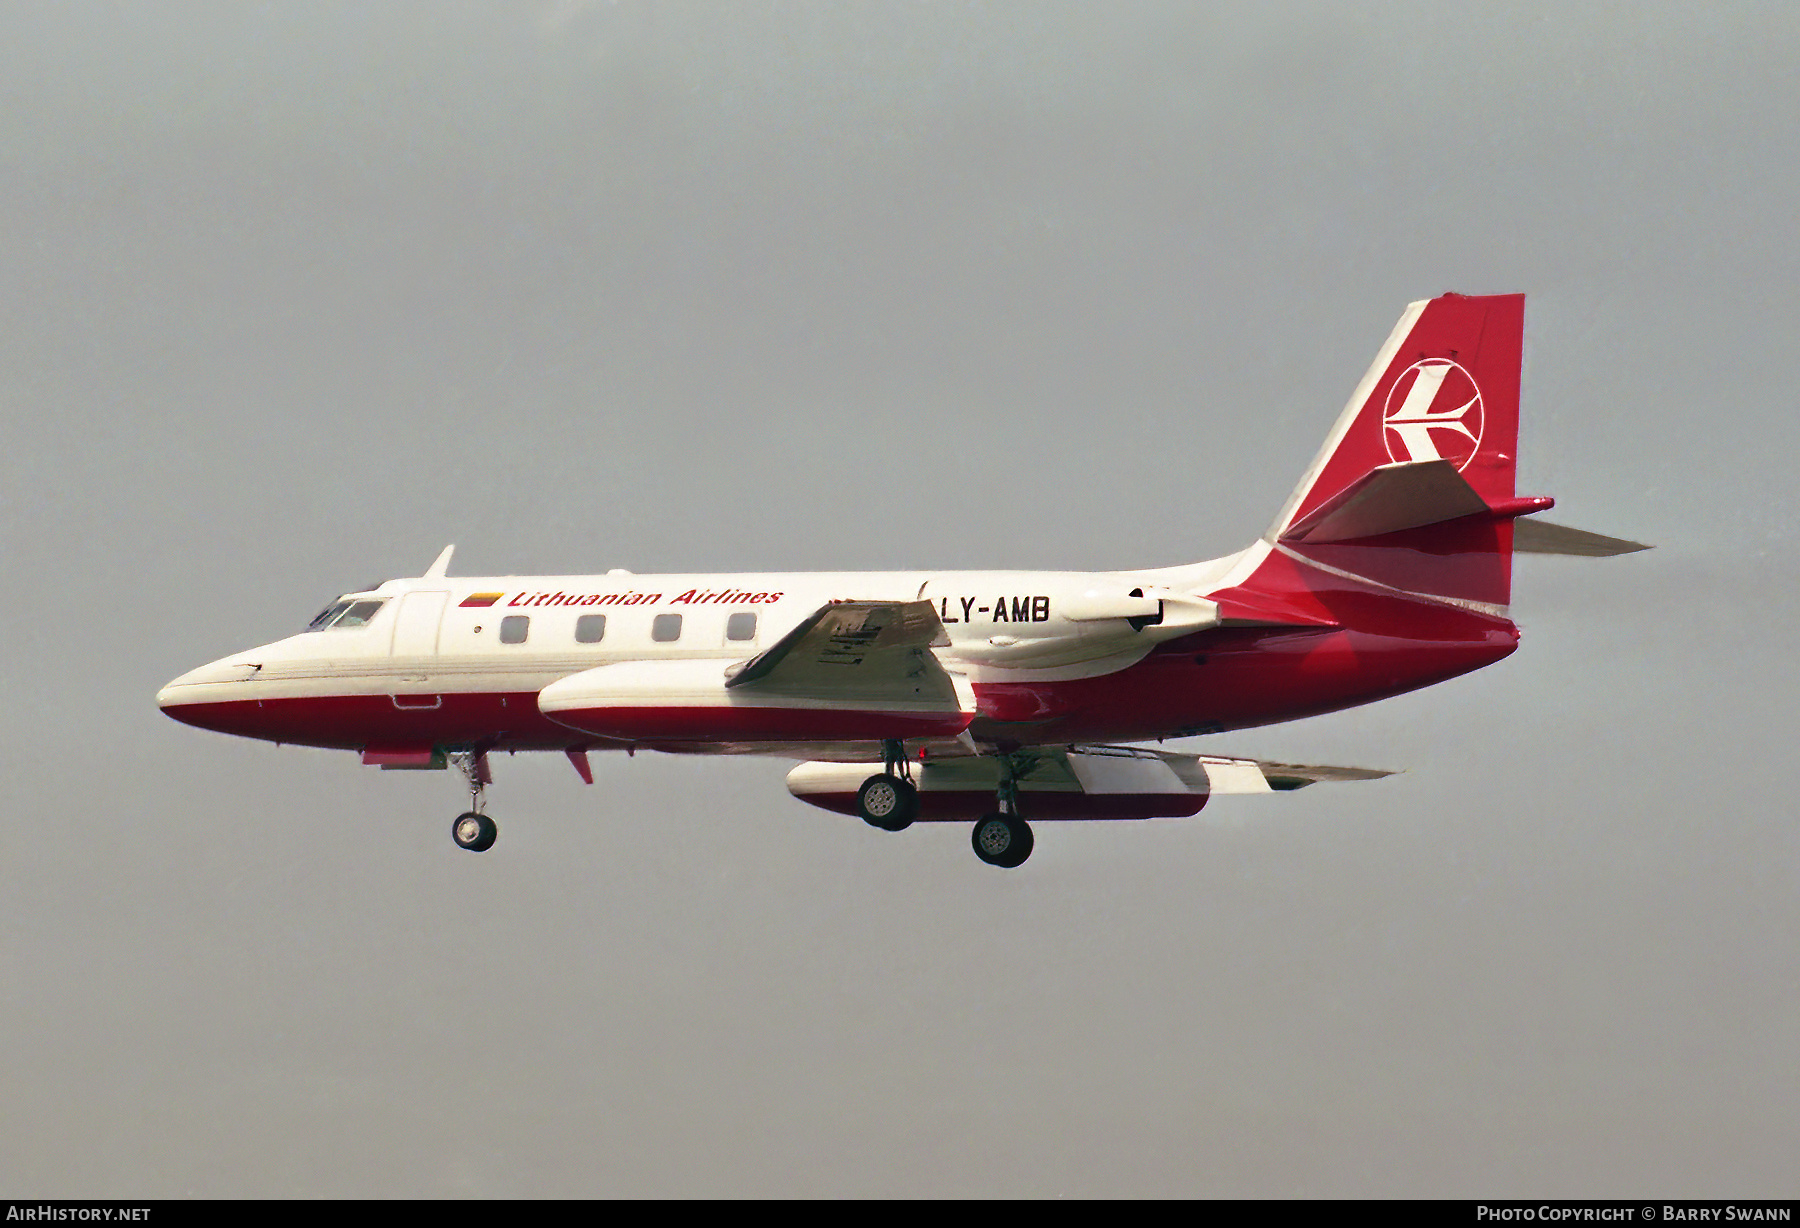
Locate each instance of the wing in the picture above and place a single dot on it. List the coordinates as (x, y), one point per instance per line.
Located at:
(1071, 782)
(870, 654)
(1136, 769)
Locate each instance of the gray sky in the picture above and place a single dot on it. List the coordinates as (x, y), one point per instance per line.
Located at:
(293, 294)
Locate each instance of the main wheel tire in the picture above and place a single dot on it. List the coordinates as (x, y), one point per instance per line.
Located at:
(887, 802)
(1003, 840)
(475, 832)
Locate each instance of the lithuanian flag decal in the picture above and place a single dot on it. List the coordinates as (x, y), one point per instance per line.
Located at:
(481, 599)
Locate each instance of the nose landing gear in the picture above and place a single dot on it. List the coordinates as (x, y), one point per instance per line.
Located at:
(473, 830)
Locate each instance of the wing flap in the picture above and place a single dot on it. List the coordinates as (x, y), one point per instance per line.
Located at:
(1136, 769)
(1125, 774)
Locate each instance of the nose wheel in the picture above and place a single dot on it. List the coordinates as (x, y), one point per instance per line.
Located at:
(473, 830)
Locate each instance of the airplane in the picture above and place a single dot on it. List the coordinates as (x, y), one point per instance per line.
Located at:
(984, 697)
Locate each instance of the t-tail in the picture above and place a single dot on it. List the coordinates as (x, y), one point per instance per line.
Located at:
(1413, 491)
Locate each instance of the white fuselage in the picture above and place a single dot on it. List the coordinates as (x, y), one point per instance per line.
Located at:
(431, 640)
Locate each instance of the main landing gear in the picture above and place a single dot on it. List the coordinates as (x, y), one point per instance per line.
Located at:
(1003, 838)
(890, 800)
(473, 830)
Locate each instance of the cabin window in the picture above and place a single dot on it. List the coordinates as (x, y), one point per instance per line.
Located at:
(666, 629)
(741, 627)
(590, 628)
(514, 628)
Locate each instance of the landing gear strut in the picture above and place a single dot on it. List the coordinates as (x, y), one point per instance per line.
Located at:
(890, 800)
(473, 830)
(1003, 838)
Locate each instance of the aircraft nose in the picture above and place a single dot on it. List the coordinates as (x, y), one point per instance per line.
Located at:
(203, 685)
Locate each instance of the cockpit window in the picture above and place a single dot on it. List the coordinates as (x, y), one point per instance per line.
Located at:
(358, 615)
(341, 614)
(326, 615)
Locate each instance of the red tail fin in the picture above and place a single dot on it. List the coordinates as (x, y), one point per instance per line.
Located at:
(1445, 386)
(1414, 486)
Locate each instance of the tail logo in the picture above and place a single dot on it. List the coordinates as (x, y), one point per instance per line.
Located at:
(1433, 412)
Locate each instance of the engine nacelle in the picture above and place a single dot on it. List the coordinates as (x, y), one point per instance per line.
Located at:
(1086, 624)
(1119, 605)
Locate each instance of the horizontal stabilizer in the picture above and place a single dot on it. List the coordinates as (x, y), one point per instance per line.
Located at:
(1394, 498)
(1389, 499)
(1542, 537)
